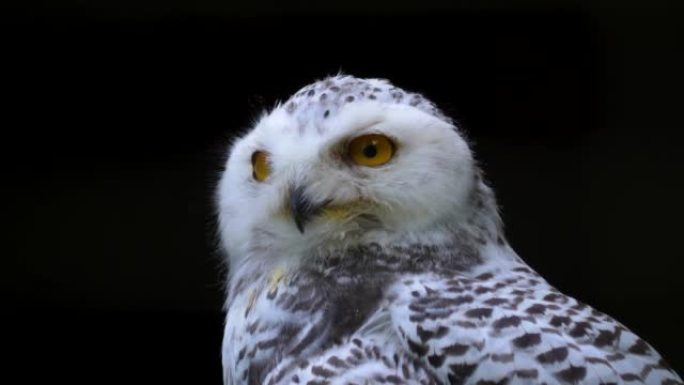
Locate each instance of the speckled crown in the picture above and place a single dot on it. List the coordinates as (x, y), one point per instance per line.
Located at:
(321, 99)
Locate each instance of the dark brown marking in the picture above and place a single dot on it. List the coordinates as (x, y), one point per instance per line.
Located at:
(436, 360)
(573, 374)
(485, 276)
(455, 349)
(502, 381)
(321, 371)
(640, 347)
(417, 348)
(580, 329)
(357, 353)
(267, 344)
(536, 309)
(615, 357)
(527, 340)
(466, 324)
(597, 360)
(604, 338)
(560, 320)
(482, 290)
(630, 377)
(459, 373)
(503, 358)
(505, 322)
(526, 373)
(553, 355)
(337, 362)
(495, 301)
(483, 312)
(553, 297)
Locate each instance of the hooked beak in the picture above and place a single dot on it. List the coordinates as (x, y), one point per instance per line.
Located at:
(303, 209)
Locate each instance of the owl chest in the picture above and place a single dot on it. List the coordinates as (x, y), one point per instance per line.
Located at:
(293, 318)
(267, 322)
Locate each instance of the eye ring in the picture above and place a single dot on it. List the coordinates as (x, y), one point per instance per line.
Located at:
(371, 150)
(261, 166)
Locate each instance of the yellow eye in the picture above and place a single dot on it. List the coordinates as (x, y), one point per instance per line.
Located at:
(261, 168)
(371, 150)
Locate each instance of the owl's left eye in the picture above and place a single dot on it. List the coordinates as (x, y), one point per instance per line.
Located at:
(371, 150)
(261, 166)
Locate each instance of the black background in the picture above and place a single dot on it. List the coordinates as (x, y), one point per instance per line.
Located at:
(116, 117)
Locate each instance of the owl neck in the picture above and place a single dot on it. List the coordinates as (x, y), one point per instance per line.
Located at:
(470, 242)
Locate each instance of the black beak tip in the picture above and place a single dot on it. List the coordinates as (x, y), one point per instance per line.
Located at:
(300, 225)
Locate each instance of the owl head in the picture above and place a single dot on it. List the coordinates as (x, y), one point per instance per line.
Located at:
(342, 161)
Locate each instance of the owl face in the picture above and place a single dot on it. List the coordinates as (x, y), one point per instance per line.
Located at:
(326, 176)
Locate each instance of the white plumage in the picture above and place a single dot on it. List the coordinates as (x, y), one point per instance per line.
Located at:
(364, 247)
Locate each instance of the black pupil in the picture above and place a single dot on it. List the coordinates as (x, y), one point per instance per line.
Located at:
(370, 151)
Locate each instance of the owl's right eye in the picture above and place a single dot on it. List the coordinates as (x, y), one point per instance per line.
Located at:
(261, 166)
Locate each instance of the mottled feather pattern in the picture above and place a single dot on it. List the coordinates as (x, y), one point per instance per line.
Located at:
(509, 326)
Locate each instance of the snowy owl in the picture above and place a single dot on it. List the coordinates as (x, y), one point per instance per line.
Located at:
(365, 247)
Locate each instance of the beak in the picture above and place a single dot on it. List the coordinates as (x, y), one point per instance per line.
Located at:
(303, 209)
